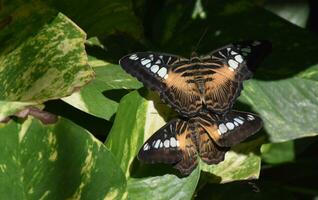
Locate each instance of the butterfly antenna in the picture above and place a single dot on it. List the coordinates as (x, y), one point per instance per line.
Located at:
(202, 36)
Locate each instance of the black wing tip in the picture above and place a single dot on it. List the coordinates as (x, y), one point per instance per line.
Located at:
(262, 44)
(266, 46)
(261, 49)
(254, 125)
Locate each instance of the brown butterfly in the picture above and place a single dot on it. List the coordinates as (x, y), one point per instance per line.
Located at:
(180, 142)
(202, 90)
(207, 83)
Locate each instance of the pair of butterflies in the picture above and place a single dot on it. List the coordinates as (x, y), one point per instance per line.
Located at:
(202, 90)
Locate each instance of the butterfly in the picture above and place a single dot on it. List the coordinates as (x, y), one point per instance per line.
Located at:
(202, 90)
(202, 83)
(182, 141)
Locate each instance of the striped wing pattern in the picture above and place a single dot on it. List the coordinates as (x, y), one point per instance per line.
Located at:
(180, 142)
(202, 90)
(190, 86)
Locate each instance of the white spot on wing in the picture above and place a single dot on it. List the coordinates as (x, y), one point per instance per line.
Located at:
(222, 128)
(178, 144)
(146, 147)
(233, 53)
(154, 68)
(158, 62)
(236, 124)
(157, 144)
(233, 63)
(241, 118)
(161, 144)
(238, 58)
(133, 57)
(250, 117)
(148, 65)
(238, 120)
(166, 143)
(146, 61)
(162, 72)
(173, 142)
(230, 125)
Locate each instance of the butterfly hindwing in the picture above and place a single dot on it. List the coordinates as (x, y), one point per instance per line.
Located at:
(209, 152)
(171, 144)
(232, 128)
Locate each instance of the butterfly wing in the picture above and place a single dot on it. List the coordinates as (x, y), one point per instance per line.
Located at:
(157, 71)
(149, 67)
(236, 63)
(241, 57)
(209, 152)
(171, 144)
(232, 128)
(212, 82)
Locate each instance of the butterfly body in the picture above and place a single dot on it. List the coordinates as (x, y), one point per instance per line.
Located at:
(202, 90)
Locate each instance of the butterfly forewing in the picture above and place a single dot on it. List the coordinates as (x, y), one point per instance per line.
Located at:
(171, 144)
(241, 57)
(212, 82)
(232, 128)
(149, 67)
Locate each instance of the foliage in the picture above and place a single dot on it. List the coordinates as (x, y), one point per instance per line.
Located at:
(46, 62)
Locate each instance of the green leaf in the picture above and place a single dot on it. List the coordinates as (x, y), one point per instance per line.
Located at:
(92, 101)
(241, 163)
(163, 187)
(8, 108)
(110, 78)
(127, 134)
(310, 73)
(144, 112)
(60, 161)
(288, 107)
(275, 153)
(101, 17)
(49, 65)
(126, 138)
(21, 20)
(294, 12)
